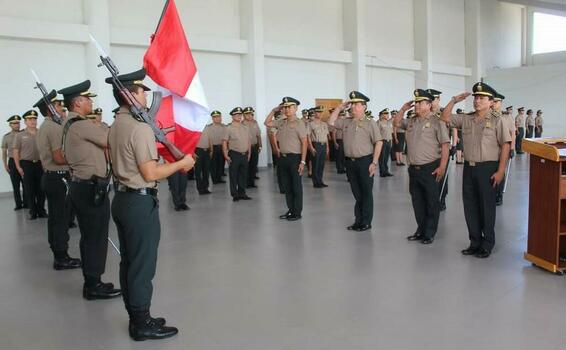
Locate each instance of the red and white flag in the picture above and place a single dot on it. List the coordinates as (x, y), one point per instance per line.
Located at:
(170, 64)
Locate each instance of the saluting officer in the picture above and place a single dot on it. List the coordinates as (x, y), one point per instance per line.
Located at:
(217, 131)
(255, 135)
(236, 146)
(338, 140)
(8, 160)
(292, 137)
(362, 146)
(317, 138)
(386, 129)
(427, 153)
(486, 142)
(135, 207)
(520, 127)
(27, 161)
(84, 147)
(538, 124)
(53, 182)
(204, 156)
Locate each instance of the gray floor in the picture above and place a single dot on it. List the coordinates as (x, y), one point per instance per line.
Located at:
(233, 276)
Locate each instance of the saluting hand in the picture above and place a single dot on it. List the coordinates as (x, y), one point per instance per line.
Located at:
(461, 97)
(372, 169)
(497, 178)
(344, 105)
(439, 172)
(407, 105)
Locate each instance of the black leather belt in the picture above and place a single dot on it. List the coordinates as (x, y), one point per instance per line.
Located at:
(433, 164)
(204, 149)
(58, 172)
(240, 153)
(289, 154)
(81, 181)
(359, 158)
(146, 191)
(491, 162)
(31, 161)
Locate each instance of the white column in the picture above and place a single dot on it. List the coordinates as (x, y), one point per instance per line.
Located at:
(354, 41)
(422, 14)
(253, 67)
(96, 16)
(472, 20)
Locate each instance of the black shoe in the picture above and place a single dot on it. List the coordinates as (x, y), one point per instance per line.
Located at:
(256, 177)
(101, 291)
(43, 215)
(362, 228)
(323, 185)
(442, 206)
(498, 202)
(482, 253)
(388, 175)
(150, 329)
(353, 227)
(32, 216)
(252, 186)
(317, 186)
(184, 207)
(294, 217)
(470, 251)
(178, 208)
(67, 263)
(205, 192)
(427, 240)
(415, 237)
(382, 175)
(235, 198)
(401, 164)
(160, 321)
(245, 197)
(286, 215)
(19, 207)
(72, 224)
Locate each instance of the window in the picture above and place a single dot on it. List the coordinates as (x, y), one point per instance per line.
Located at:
(549, 33)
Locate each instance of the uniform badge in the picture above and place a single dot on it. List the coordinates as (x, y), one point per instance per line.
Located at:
(488, 124)
(427, 125)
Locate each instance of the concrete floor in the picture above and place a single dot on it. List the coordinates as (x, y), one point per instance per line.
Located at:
(233, 276)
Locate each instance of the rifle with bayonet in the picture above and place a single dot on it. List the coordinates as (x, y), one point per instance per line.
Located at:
(39, 85)
(138, 111)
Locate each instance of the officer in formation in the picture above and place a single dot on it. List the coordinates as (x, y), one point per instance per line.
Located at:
(10, 165)
(530, 124)
(178, 187)
(427, 154)
(510, 123)
(317, 132)
(520, 133)
(386, 129)
(292, 151)
(135, 207)
(84, 147)
(203, 152)
(460, 144)
(255, 135)
(487, 142)
(236, 146)
(217, 131)
(28, 164)
(538, 124)
(362, 147)
(338, 140)
(54, 183)
(398, 141)
(275, 152)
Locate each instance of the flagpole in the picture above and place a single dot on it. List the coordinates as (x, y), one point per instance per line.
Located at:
(162, 14)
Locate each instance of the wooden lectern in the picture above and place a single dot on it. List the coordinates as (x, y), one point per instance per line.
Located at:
(546, 245)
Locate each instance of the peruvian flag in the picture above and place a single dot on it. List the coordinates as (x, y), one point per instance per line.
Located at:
(170, 64)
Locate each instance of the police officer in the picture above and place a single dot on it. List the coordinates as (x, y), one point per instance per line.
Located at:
(217, 131)
(135, 208)
(510, 123)
(236, 146)
(317, 138)
(362, 146)
(338, 140)
(538, 124)
(398, 142)
(520, 127)
(53, 182)
(427, 154)
(460, 144)
(204, 156)
(275, 152)
(27, 161)
(178, 187)
(530, 124)
(486, 142)
(255, 135)
(292, 137)
(8, 160)
(84, 146)
(386, 129)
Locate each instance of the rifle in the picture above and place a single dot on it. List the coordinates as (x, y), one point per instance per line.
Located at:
(139, 112)
(39, 85)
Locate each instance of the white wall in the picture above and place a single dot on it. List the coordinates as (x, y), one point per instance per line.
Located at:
(384, 18)
(389, 88)
(448, 34)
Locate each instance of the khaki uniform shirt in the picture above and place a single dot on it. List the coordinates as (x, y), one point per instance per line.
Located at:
(254, 131)
(49, 138)
(424, 137)
(204, 141)
(318, 131)
(530, 120)
(8, 142)
(290, 134)
(131, 143)
(26, 143)
(359, 136)
(520, 121)
(482, 139)
(217, 132)
(84, 148)
(238, 137)
(508, 120)
(386, 129)
(538, 121)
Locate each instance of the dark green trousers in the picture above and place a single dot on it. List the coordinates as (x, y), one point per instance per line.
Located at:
(361, 185)
(137, 220)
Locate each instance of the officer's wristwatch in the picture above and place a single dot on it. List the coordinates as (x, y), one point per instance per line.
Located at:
(303, 162)
(374, 163)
